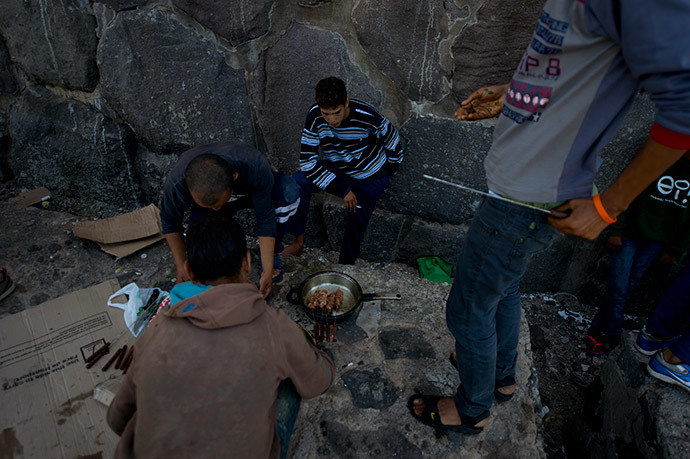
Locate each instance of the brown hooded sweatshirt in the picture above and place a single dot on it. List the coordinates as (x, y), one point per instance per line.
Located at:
(204, 377)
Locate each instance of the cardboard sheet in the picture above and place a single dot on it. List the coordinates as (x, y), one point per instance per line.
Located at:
(32, 197)
(48, 408)
(124, 234)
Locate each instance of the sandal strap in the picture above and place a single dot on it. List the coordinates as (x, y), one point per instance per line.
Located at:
(472, 421)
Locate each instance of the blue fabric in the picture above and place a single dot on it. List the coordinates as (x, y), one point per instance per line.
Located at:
(672, 315)
(286, 200)
(287, 408)
(626, 269)
(483, 309)
(368, 193)
(186, 290)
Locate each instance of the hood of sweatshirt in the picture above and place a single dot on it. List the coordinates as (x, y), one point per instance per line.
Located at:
(222, 306)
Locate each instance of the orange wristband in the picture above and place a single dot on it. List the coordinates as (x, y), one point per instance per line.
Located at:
(601, 211)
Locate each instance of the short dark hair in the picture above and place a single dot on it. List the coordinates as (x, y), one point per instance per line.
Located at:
(216, 247)
(209, 176)
(330, 92)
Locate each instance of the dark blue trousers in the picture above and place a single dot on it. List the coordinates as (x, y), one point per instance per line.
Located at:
(626, 269)
(368, 192)
(672, 315)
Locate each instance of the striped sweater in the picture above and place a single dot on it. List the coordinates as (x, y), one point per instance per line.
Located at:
(364, 143)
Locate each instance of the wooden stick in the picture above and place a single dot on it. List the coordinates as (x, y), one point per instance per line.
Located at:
(120, 361)
(100, 353)
(128, 360)
(112, 359)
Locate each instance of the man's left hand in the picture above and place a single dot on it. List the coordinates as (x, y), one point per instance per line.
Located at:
(266, 283)
(583, 221)
(350, 201)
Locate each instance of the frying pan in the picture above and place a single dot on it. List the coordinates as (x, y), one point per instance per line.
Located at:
(332, 281)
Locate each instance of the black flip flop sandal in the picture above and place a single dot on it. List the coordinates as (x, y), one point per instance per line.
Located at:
(431, 417)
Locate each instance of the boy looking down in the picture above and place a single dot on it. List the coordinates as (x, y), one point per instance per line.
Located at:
(209, 377)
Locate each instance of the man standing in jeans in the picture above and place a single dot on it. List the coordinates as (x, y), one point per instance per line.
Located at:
(582, 70)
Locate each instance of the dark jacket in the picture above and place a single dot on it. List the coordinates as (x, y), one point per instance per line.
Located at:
(661, 213)
(255, 179)
(204, 377)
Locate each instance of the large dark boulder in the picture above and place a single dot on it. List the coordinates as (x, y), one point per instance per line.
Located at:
(488, 51)
(54, 42)
(424, 239)
(8, 85)
(152, 170)
(84, 158)
(237, 21)
(119, 5)
(284, 83)
(403, 40)
(446, 149)
(6, 172)
(170, 83)
(630, 414)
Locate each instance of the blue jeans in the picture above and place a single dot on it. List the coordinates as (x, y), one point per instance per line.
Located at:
(287, 409)
(627, 268)
(672, 315)
(483, 310)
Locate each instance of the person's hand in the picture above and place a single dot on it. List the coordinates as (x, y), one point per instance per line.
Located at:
(266, 283)
(350, 201)
(583, 220)
(666, 259)
(614, 243)
(483, 103)
(182, 276)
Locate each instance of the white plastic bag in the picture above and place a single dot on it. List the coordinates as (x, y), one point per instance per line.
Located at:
(136, 299)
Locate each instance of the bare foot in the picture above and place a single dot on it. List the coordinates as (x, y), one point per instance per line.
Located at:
(293, 249)
(447, 411)
(507, 390)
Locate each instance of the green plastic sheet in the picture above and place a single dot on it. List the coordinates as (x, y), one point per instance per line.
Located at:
(435, 269)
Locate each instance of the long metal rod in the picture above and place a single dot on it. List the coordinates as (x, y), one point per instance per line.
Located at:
(483, 193)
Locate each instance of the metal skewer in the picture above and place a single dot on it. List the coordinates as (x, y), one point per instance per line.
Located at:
(483, 193)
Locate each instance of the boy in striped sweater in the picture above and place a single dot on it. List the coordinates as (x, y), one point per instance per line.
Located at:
(348, 150)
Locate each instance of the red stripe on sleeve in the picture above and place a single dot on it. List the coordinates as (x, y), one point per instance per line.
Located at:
(670, 138)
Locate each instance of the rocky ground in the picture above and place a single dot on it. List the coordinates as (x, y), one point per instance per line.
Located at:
(45, 258)
(558, 324)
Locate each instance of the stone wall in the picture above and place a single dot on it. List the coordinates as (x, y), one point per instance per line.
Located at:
(97, 99)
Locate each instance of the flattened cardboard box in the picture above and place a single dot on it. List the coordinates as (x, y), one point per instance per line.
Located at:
(48, 409)
(124, 234)
(32, 197)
